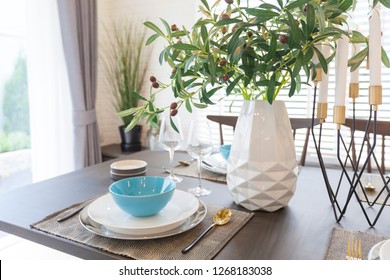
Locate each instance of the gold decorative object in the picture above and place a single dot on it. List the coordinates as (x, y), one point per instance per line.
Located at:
(353, 91)
(339, 115)
(322, 111)
(375, 96)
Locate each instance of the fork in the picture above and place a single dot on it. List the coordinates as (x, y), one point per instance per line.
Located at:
(354, 249)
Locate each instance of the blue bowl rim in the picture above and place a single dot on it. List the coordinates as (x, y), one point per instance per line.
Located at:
(225, 147)
(149, 195)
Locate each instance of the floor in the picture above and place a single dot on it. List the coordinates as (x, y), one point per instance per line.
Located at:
(16, 248)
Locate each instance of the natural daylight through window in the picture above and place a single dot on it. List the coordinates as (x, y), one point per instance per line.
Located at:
(15, 166)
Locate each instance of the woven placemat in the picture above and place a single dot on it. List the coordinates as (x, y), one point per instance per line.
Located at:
(338, 243)
(168, 248)
(192, 171)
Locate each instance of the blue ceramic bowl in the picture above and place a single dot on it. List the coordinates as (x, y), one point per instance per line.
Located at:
(142, 196)
(225, 150)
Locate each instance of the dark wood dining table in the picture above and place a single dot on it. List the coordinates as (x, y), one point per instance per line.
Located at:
(299, 231)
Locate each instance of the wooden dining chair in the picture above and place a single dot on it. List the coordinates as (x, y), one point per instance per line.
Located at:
(382, 129)
(296, 123)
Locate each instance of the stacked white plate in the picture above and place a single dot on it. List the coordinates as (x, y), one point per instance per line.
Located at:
(380, 251)
(127, 168)
(215, 163)
(105, 218)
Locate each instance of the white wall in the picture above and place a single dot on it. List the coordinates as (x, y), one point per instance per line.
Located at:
(173, 11)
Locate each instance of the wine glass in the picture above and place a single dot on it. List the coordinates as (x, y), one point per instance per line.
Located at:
(170, 139)
(199, 145)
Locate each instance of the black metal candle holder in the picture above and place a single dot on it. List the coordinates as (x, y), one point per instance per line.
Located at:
(353, 175)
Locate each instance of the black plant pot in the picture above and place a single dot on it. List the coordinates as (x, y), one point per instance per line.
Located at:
(131, 140)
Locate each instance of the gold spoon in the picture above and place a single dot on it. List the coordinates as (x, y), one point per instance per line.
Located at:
(222, 217)
(185, 163)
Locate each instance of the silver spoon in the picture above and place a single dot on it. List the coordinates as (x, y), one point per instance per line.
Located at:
(222, 217)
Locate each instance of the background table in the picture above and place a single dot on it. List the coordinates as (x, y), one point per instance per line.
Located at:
(299, 231)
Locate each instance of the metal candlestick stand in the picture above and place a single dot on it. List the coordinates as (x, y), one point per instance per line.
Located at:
(340, 195)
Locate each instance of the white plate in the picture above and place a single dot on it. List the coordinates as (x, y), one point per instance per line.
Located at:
(104, 211)
(384, 250)
(128, 165)
(374, 251)
(116, 176)
(101, 230)
(215, 163)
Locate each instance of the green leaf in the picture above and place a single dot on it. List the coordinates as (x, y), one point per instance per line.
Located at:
(140, 115)
(152, 118)
(322, 59)
(189, 82)
(212, 66)
(167, 27)
(233, 84)
(205, 98)
(178, 79)
(271, 89)
(185, 47)
(280, 2)
(357, 37)
(385, 58)
(188, 105)
(308, 56)
(161, 57)
(154, 28)
(261, 15)
(262, 83)
(151, 39)
(179, 33)
(345, 5)
(355, 61)
(298, 65)
(233, 43)
(200, 106)
(204, 34)
(173, 124)
(320, 16)
(296, 4)
(310, 19)
(128, 112)
(224, 22)
(293, 86)
(272, 48)
(294, 36)
(188, 63)
(267, 6)
(205, 4)
(136, 95)
(385, 3)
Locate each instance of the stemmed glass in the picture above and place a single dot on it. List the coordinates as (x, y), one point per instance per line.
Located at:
(199, 145)
(171, 140)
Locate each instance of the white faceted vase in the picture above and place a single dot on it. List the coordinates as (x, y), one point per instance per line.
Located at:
(262, 166)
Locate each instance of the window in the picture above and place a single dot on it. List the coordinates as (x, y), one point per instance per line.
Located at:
(14, 104)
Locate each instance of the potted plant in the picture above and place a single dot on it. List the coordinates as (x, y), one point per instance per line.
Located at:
(253, 52)
(125, 69)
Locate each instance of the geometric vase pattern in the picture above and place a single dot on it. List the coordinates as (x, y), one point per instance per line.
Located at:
(262, 166)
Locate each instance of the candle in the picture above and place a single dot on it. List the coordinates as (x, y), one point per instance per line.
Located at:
(355, 73)
(341, 70)
(374, 42)
(323, 95)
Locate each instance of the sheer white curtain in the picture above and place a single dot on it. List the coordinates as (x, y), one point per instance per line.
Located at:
(50, 104)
